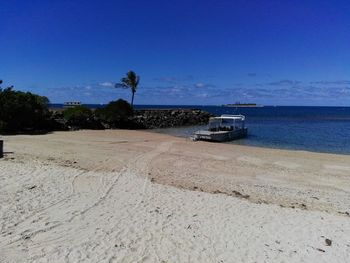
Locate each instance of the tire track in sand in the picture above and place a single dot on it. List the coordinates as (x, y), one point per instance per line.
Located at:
(136, 166)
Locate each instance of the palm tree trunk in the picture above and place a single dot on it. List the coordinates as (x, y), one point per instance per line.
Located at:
(132, 99)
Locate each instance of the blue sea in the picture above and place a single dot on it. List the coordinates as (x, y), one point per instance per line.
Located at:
(318, 129)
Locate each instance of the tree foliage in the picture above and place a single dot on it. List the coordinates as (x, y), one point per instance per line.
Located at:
(22, 111)
(79, 116)
(130, 81)
(116, 114)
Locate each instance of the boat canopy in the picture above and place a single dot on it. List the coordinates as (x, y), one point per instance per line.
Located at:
(229, 117)
(226, 122)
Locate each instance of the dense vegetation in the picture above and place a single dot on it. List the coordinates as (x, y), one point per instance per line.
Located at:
(23, 111)
(116, 114)
(29, 113)
(80, 117)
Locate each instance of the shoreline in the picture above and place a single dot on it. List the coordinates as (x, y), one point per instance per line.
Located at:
(158, 131)
(126, 196)
(267, 146)
(239, 166)
(248, 145)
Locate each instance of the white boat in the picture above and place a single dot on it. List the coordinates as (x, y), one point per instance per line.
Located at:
(223, 128)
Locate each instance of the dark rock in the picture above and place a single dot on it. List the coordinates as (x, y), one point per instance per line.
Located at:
(303, 206)
(157, 118)
(238, 194)
(141, 119)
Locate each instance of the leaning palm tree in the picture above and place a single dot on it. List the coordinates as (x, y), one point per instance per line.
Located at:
(129, 82)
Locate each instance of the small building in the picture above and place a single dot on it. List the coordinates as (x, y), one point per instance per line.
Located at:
(71, 104)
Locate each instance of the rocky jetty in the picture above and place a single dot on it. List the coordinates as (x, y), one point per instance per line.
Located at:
(141, 119)
(166, 118)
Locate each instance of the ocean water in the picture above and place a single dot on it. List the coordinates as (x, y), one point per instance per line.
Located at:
(318, 129)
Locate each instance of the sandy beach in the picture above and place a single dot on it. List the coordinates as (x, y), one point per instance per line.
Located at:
(136, 196)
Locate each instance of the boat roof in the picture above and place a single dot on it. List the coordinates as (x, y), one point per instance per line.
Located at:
(230, 117)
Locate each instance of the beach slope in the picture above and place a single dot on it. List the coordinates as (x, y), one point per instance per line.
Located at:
(135, 196)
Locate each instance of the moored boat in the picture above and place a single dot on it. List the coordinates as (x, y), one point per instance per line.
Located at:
(223, 128)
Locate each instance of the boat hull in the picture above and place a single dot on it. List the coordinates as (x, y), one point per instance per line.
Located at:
(221, 136)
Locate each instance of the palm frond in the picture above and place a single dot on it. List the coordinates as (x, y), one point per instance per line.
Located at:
(121, 86)
(130, 81)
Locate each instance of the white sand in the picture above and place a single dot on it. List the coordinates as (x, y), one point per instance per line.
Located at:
(52, 211)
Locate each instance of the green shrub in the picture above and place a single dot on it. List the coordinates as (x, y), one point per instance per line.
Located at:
(22, 111)
(78, 117)
(116, 114)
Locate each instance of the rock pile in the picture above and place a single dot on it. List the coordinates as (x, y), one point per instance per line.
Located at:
(142, 119)
(151, 119)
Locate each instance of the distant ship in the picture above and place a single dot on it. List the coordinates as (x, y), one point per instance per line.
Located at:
(238, 104)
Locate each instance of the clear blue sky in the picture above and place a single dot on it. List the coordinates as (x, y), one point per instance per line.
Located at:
(283, 52)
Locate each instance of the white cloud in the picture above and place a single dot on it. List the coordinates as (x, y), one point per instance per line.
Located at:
(199, 85)
(106, 84)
